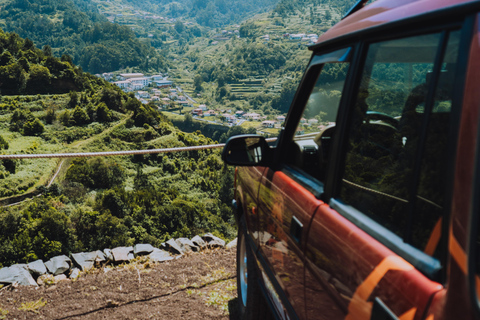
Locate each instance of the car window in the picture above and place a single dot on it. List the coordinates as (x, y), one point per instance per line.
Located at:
(315, 128)
(394, 169)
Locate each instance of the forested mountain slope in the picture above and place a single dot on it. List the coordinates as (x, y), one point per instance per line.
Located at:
(207, 13)
(77, 29)
(96, 202)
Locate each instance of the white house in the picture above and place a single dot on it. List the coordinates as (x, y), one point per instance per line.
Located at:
(268, 124)
(142, 94)
(202, 107)
(297, 36)
(229, 118)
(252, 116)
(143, 81)
(122, 84)
(126, 76)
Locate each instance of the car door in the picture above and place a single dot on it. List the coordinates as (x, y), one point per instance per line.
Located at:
(289, 196)
(377, 248)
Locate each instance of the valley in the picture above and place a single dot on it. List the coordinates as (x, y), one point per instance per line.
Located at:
(225, 76)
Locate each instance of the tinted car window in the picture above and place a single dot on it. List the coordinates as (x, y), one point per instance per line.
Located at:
(316, 126)
(394, 169)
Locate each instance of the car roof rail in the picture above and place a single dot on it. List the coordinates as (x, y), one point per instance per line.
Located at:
(357, 6)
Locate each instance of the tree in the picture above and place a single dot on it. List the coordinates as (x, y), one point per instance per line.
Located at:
(73, 102)
(39, 80)
(197, 83)
(179, 27)
(47, 50)
(103, 113)
(79, 117)
(13, 79)
(50, 116)
(33, 128)
(3, 143)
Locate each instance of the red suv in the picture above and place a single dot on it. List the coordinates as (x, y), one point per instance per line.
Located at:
(368, 205)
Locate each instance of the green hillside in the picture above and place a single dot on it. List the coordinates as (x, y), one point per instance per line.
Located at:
(75, 28)
(97, 202)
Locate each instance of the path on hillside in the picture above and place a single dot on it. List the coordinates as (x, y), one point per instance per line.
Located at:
(186, 95)
(74, 146)
(196, 286)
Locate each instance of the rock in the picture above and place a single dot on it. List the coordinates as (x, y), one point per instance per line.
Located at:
(60, 277)
(213, 241)
(186, 245)
(84, 260)
(232, 244)
(198, 241)
(37, 268)
(17, 274)
(46, 279)
(100, 257)
(142, 249)
(108, 254)
(58, 265)
(172, 246)
(159, 255)
(131, 256)
(121, 254)
(75, 273)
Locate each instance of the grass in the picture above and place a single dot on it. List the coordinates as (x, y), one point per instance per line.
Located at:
(221, 295)
(3, 313)
(33, 306)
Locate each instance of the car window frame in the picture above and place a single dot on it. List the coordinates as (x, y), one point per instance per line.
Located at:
(311, 74)
(474, 228)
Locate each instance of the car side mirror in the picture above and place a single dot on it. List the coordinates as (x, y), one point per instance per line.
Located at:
(246, 150)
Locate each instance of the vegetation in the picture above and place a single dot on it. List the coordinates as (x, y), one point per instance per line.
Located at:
(208, 13)
(76, 29)
(49, 104)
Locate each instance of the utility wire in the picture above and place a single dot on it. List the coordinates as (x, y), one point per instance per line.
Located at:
(113, 153)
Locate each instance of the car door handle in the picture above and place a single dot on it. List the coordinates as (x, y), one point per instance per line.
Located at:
(296, 229)
(380, 311)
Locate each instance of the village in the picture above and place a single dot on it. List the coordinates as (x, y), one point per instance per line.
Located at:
(170, 98)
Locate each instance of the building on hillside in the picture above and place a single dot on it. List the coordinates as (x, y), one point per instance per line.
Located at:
(163, 83)
(157, 77)
(125, 84)
(229, 118)
(252, 116)
(299, 131)
(184, 104)
(125, 76)
(143, 81)
(297, 36)
(202, 107)
(208, 113)
(142, 94)
(197, 112)
(107, 76)
(268, 124)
